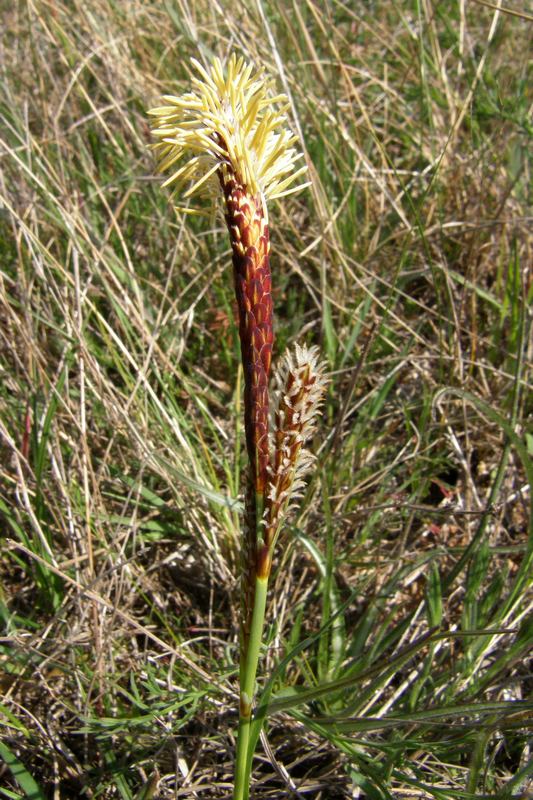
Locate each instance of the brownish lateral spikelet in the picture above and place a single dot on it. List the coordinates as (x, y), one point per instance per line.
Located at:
(300, 391)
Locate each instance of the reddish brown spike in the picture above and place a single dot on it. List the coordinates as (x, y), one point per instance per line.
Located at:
(249, 235)
(250, 245)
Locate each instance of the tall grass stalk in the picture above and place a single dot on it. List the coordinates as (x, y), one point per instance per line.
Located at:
(225, 135)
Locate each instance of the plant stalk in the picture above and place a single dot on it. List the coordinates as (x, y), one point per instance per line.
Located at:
(247, 690)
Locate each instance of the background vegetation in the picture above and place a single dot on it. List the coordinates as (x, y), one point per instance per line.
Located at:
(400, 620)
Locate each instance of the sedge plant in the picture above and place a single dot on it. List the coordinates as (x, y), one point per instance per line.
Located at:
(229, 137)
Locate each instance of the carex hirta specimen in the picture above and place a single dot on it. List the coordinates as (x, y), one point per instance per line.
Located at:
(229, 137)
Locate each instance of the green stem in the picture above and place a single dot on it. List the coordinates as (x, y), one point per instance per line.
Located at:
(242, 770)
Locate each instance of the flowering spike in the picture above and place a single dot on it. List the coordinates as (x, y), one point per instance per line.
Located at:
(226, 134)
(228, 122)
(300, 390)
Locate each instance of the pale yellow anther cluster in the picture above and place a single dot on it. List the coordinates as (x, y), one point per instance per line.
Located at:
(227, 124)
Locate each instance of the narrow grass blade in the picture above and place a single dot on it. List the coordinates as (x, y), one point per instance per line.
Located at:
(25, 780)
